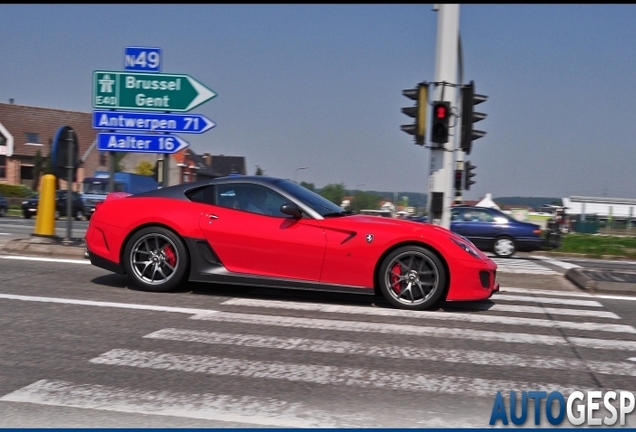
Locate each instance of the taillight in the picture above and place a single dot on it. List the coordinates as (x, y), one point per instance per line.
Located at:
(537, 232)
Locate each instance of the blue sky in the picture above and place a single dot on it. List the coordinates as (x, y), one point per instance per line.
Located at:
(320, 86)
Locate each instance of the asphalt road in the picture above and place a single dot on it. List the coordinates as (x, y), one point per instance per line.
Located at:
(80, 348)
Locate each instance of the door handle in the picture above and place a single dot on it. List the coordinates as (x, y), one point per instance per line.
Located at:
(212, 216)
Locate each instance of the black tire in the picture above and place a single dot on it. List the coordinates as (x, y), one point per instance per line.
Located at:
(26, 215)
(155, 259)
(79, 215)
(412, 277)
(3, 212)
(504, 247)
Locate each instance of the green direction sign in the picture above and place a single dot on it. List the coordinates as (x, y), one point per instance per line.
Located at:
(148, 91)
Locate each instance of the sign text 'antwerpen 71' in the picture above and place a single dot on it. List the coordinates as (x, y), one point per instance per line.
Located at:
(148, 91)
(152, 122)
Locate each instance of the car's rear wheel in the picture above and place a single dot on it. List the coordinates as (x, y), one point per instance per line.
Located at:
(412, 277)
(155, 259)
(504, 247)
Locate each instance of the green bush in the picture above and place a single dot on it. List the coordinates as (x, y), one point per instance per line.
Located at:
(16, 191)
(597, 245)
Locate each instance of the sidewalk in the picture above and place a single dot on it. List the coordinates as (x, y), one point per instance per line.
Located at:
(45, 246)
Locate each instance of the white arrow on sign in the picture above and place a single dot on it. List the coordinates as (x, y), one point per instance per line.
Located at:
(204, 93)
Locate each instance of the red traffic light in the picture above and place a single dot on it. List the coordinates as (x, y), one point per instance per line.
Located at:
(441, 111)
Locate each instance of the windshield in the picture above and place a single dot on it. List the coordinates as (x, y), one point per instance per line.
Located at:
(96, 188)
(312, 199)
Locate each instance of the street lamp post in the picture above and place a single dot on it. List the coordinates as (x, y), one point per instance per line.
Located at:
(296, 172)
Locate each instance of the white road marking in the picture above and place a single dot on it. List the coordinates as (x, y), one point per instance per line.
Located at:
(498, 307)
(42, 259)
(558, 263)
(531, 291)
(590, 303)
(445, 316)
(316, 374)
(389, 351)
(413, 330)
(229, 408)
(188, 311)
(5, 233)
(514, 265)
(615, 297)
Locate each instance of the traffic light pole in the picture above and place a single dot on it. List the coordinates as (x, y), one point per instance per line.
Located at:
(441, 192)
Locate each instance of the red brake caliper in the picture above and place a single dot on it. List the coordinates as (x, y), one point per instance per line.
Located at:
(170, 255)
(395, 279)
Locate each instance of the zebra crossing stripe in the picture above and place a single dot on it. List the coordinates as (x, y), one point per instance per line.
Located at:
(498, 307)
(317, 374)
(403, 329)
(446, 316)
(229, 408)
(531, 291)
(570, 302)
(507, 265)
(390, 351)
(558, 263)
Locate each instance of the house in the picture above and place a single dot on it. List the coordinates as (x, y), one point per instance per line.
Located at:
(25, 130)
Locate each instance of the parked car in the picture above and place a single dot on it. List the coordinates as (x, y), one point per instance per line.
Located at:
(30, 206)
(4, 206)
(491, 230)
(205, 232)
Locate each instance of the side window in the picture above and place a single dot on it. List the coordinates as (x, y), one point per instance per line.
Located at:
(484, 216)
(204, 195)
(251, 198)
(455, 215)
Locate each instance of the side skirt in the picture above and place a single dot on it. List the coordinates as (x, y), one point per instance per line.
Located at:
(206, 266)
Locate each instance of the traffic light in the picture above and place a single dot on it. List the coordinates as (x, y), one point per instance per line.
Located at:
(458, 180)
(418, 112)
(439, 125)
(468, 174)
(469, 116)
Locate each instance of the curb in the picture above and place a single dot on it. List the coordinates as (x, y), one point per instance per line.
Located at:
(50, 247)
(601, 282)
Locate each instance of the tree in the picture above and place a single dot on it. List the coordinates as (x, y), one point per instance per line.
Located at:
(309, 186)
(119, 163)
(259, 171)
(364, 201)
(145, 168)
(334, 192)
(38, 166)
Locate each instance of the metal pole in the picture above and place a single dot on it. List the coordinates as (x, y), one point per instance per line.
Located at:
(111, 171)
(70, 148)
(441, 168)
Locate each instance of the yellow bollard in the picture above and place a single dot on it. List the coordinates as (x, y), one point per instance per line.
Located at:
(45, 218)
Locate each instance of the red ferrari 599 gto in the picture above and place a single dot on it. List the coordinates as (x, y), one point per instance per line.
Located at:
(264, 231)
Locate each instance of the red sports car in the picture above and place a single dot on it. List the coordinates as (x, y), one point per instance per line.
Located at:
(264, 231)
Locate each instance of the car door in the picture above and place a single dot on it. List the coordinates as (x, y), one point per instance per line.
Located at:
(273, 244)
(477, 225)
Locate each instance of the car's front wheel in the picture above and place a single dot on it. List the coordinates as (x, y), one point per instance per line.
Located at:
(79, 215)
(412, 277)
(155, 259)
(504, 247)
(26, 215)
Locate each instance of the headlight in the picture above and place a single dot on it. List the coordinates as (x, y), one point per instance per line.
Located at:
(25, 202)
(467, 247)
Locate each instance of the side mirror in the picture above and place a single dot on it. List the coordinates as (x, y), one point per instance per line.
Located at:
(291, 209)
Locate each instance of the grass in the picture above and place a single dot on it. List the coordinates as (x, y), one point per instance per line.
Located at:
(597, 245)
